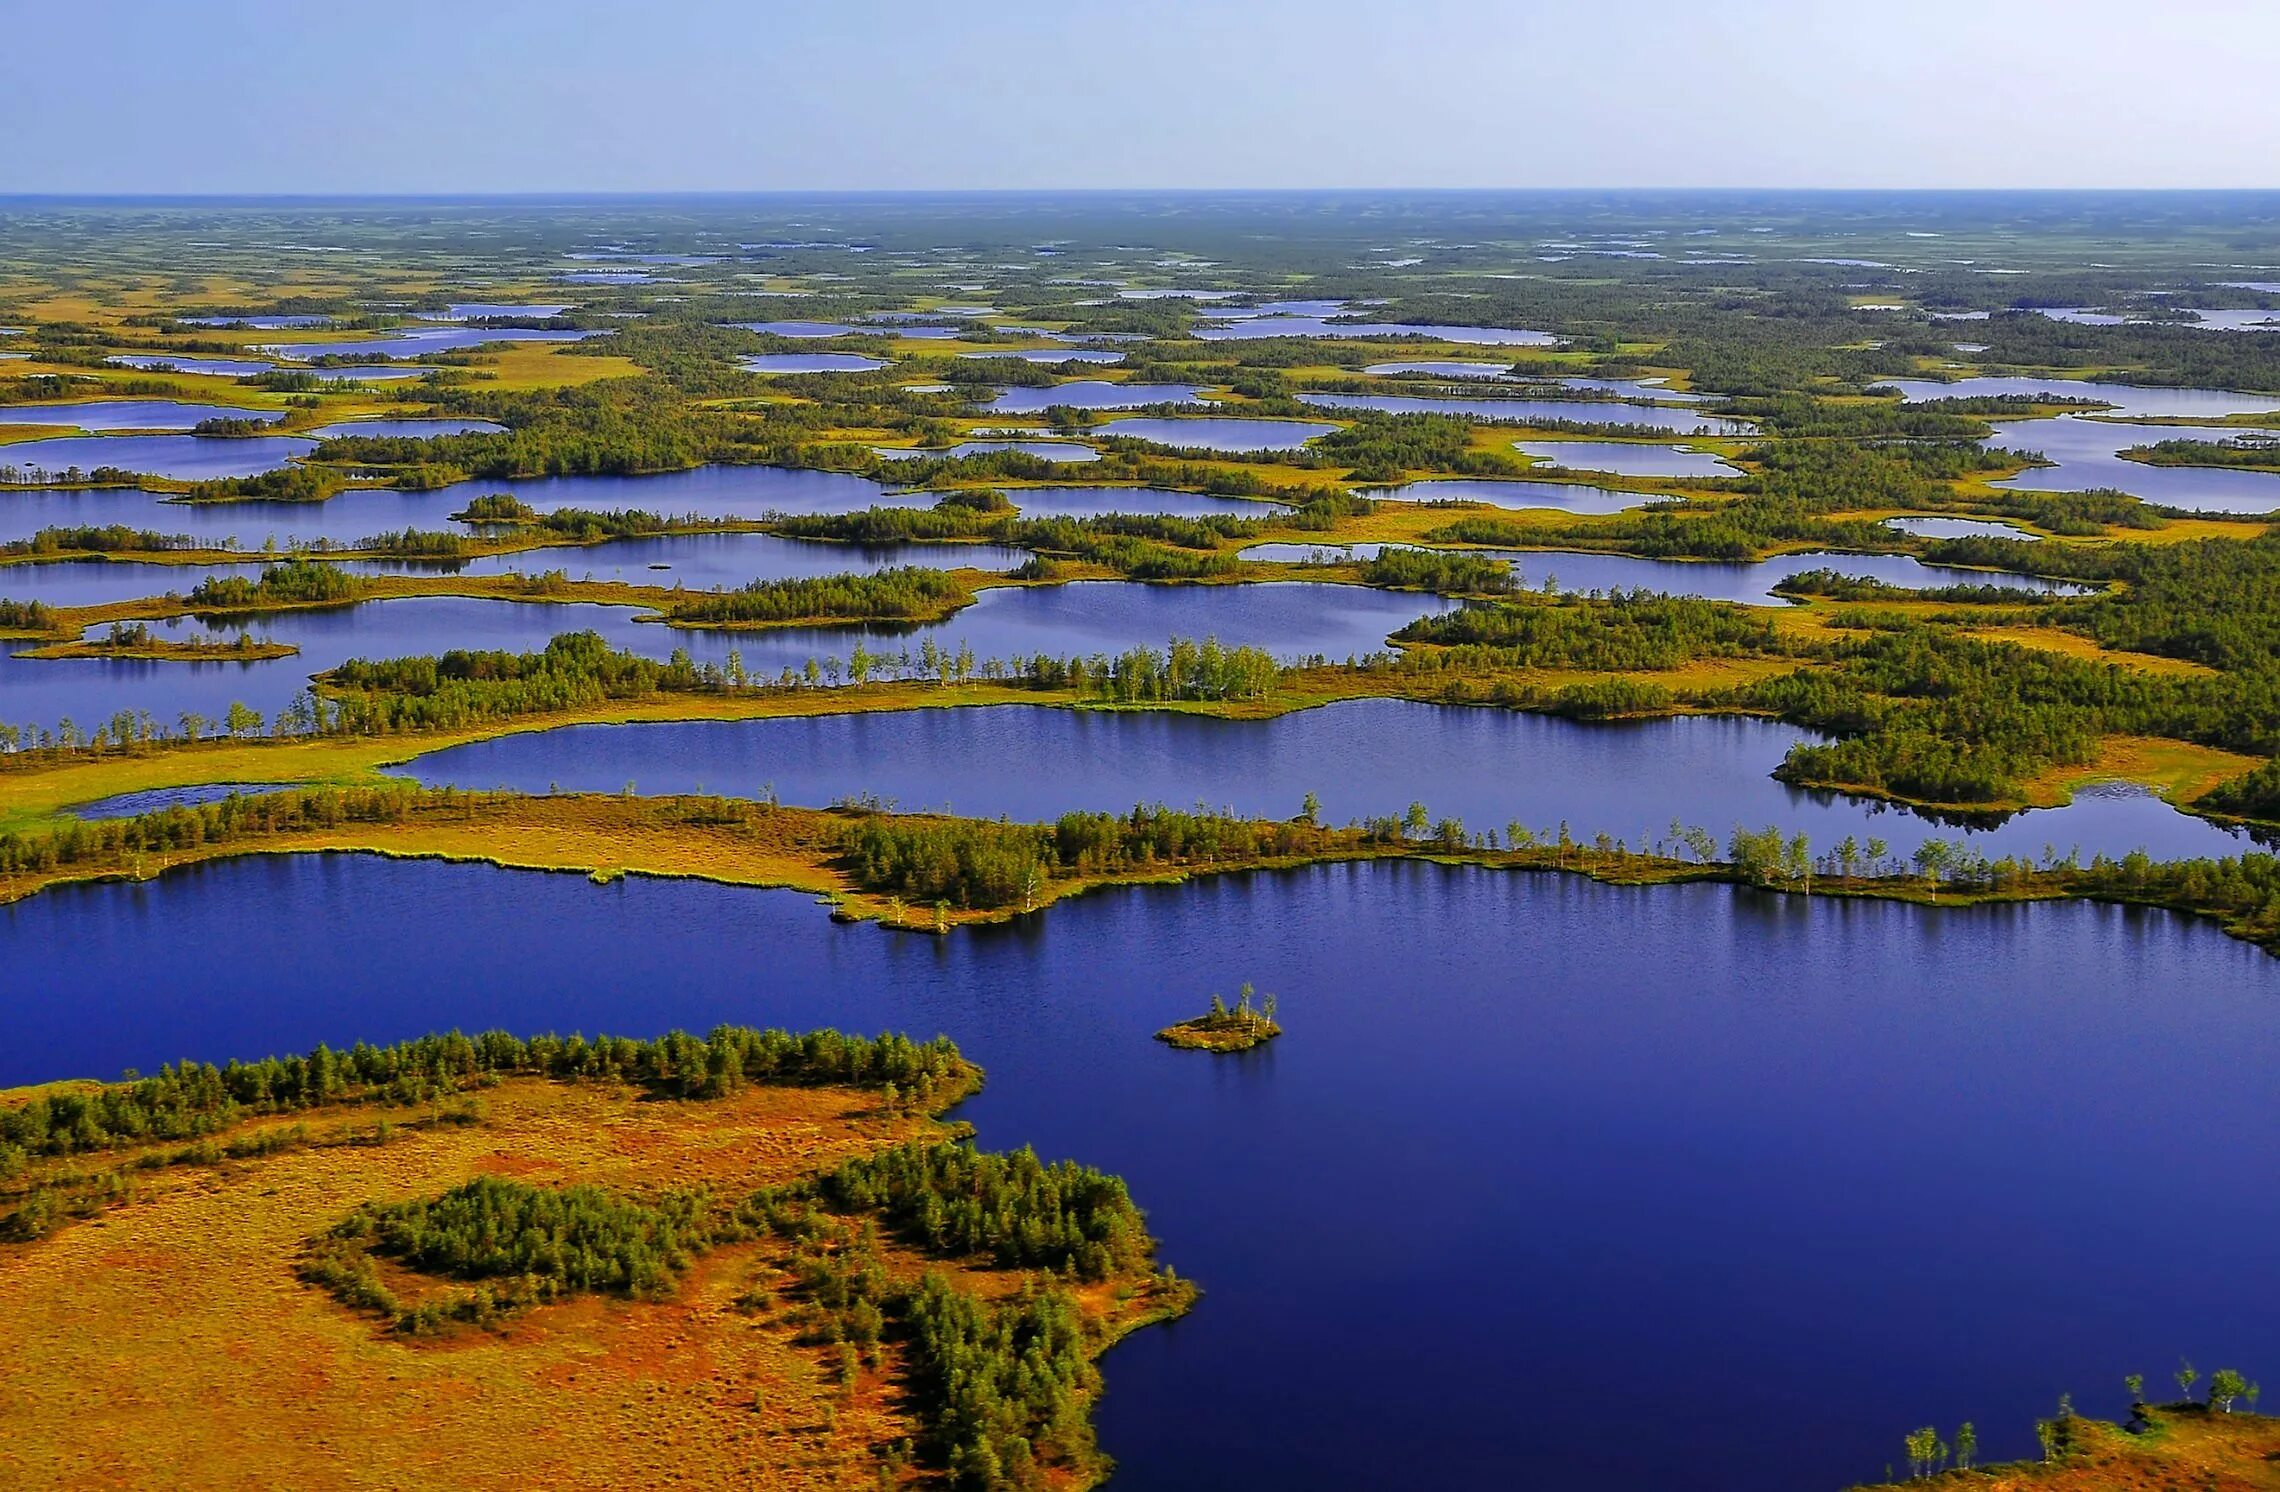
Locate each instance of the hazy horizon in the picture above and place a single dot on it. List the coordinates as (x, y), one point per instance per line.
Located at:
(264, 98)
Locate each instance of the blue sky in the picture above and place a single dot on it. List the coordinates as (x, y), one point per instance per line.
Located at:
(654, 95)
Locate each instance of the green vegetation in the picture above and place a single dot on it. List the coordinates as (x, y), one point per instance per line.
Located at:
(1223, 1030)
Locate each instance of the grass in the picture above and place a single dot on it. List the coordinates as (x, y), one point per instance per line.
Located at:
(170, 1341)
(2182, 1446)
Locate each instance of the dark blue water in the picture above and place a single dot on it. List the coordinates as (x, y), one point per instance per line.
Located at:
(1361, 758)
(154, 800)
(100, 582)
(187, 458)
(126, 414)
(1091, 394)
(1219, 434)
(1291, 620)
(1539, 411)
(1589, 1180)
(1627, 458)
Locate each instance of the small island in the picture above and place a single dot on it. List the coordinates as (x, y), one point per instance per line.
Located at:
(137, 641)
(1225, 1030)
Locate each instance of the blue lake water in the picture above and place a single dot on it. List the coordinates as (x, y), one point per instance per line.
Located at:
(1749, 583)
(1315, 326)
(470, 310)
(1626, 458)
(2087, 457)
(1291, 620)
(126, 414)
(1959, 528)
(702, 562)
(99, 582)
(1219, 434)
(2127, 398)
(360, 512)
(1573, 497)
(408, 429)
(1540, 411)
(366, 373)
(167, 362)
(1043, 450)
(1083, 502)
(183, 457)
(1360, 758)
(258, 323)
(810, 362)
(815, 329)
(1091, 394)
(1441, 368)
(427, 340)
(1529, 1140)
(1056, 355)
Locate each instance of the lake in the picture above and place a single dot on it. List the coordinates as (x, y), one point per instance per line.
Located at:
(126, 414)
(360, 512)
(426, 340)
(406, 429)
(1315, 326)
(805, 329)
(167, 362)
(1539, 411)
(703, 562)
(1056, 355)
(189, 458)
(1043, 450)
(1290, 619)
(2127, 398)
(1091, 394)
(1959, 528)
(2087, 456)
(1530, 1140)
(1627, 458)
(1749, 583)
(1361, 758)
(1218, 434)
(1573, 497)
(810, 362)
(1085, 502)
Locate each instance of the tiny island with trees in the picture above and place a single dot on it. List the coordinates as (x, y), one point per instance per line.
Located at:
(1221, 1029)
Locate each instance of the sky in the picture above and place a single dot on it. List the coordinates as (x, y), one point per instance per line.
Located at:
(417, 96)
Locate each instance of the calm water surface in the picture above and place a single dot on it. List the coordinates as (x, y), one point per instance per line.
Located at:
(1530, 1141)
(811, 362)
(1574, 497)
(2087, 457)
(1627, 458)
(1091, 394)
(1219, 434)
(126, 414)
(1539, 411)
(183, 457)
(1290, 619)
(1361, 758)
